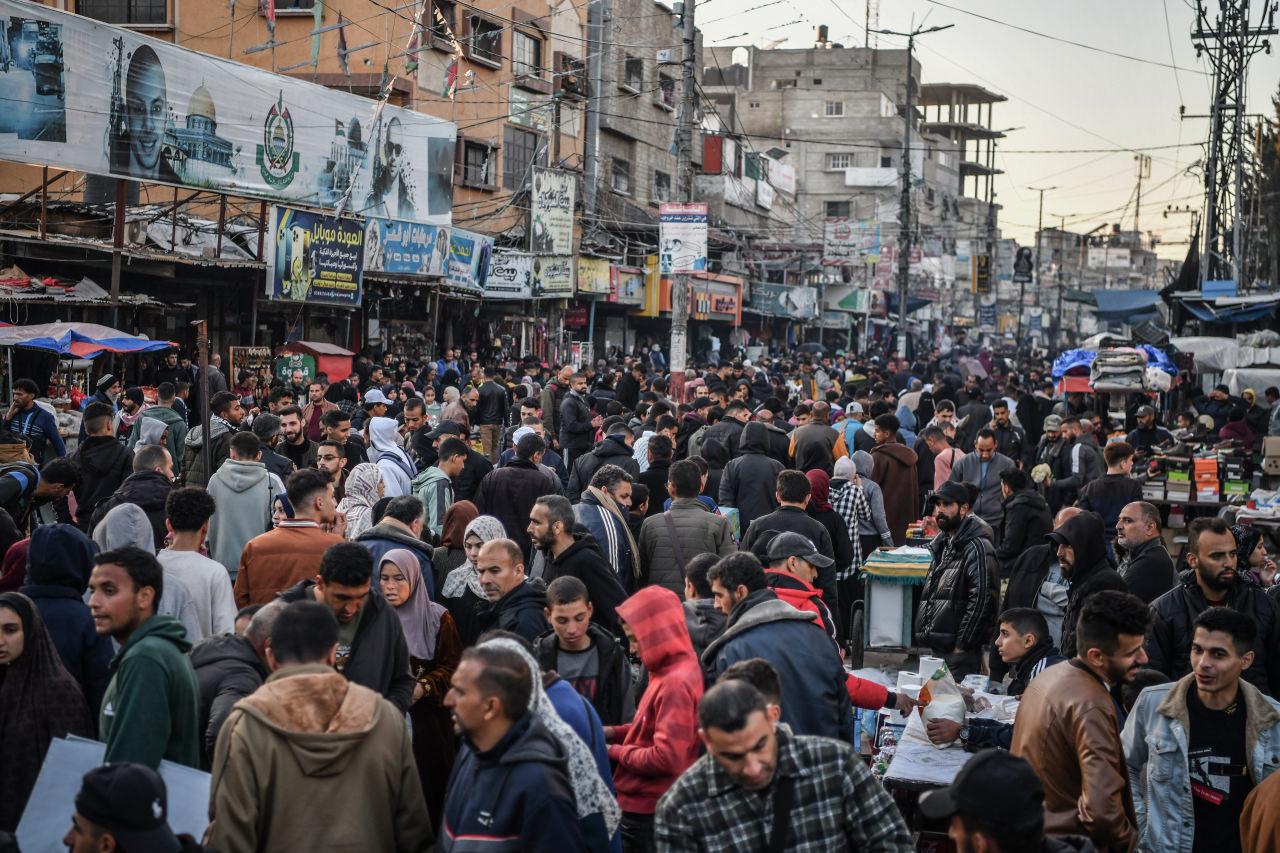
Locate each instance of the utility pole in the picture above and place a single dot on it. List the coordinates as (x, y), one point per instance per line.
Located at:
(1230, 39)
(684, 177)
(1022, 287)
(904, 205)
(1144, 171)
(597, 15)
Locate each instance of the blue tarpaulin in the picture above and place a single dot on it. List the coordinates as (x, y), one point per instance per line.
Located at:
(1233, 314)
(914, 303)
(1128, 306)
(83, 346)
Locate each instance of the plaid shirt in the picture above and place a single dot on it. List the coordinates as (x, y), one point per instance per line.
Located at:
(836, 805)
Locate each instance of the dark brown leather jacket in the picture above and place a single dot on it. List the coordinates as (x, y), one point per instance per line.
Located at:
(1068, 731)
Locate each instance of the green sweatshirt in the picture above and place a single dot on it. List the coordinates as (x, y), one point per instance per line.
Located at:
(177, 432)
(434, 488)
(151, 710)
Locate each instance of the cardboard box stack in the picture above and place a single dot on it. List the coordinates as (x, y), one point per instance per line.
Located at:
(1271, 455)
(1205, 469)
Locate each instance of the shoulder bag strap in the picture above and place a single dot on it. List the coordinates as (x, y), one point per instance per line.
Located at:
(675, 542)
(782, 797)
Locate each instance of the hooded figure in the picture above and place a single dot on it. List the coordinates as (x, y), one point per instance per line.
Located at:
(894, 469)
(127, 524)
(61, 558)
(365, 486)
(244, 492)
(1089, 572)
(151, 431)
(651, 752)
(749, 481)
(104, 465)
(397, 469)
(39, 701)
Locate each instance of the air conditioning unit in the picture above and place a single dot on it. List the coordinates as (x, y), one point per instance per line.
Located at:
(570, 75)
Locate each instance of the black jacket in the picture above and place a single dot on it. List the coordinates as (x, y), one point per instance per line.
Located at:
(788, 519)
(1107, 496)
(1012, 442)
(509, 493)
(149, 490)
(750, 479)
(281, 466)
(227, 670)
(1091, 573)
(1026, 521)
(576, 431)
(628, 392)
(609, 451)
(492, 407)
(727, 431)
(584, 561)
(519, 611)
(379, 654)
(1172, 614)
(1027, 573)
(466, 484)
(104, 464)
(613, 683)
(961, 591)
(655, 477)
(1148, 570)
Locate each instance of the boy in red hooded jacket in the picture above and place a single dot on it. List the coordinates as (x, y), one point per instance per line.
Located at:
(651, 752)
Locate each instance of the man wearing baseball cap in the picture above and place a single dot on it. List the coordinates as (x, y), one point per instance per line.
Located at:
(995, 804)
(1147, 433)
(127, 804)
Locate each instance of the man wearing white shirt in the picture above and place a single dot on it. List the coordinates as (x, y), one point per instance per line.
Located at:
(187, 514)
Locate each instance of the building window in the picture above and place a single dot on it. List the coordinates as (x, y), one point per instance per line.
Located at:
(135, 12)
(817, 81)
(294, 4)
(666, 94)
(443, 33)
(784, 84)
(477, 165)
(485, 40)
(661, 186)
(620, 177)
(522, 150)
(633, 73)
(526, 55)
(755, 105)
(839, 161)
(886, 162)
(833, 109)
(837, 208)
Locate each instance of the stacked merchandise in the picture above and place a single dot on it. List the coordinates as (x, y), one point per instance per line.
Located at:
(1206, 477)
(1122, 370)
(1178, 478)
(1271, 455)
(905, 565)
(1236, 466)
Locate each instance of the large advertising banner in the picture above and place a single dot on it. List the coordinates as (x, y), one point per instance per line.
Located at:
(682, 237)
(317, 259)
(848, 242)
(593, 275)
(510, 275)
(469, 254)
(79, 94)
(552, 212)
(406, 248)
(553, 277)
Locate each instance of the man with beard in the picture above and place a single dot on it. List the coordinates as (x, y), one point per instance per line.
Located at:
(1147, 433)
(1146, 567)
(1082, 558)
(300, 449)
(551, 523)
(578, 424)
(1212, 581)
(958, 603)
(1068, 727)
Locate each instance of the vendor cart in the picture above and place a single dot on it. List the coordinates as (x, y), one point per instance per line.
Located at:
(882, 621)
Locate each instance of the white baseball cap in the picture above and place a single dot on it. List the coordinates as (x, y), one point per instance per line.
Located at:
(375, 395)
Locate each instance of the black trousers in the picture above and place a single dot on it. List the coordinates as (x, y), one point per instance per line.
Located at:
(637, 833)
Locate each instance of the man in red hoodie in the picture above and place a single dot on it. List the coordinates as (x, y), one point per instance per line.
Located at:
(651, 752)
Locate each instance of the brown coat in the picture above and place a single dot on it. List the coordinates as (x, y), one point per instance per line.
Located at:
(278, 559)
(895, 472)
(312, 756)
(1260, 819)
(1067, 730)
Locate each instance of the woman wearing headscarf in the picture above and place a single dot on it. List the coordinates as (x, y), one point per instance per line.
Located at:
(454, 410)
(589, 771)
(13, 569)
(39, 701)
(434, 649)
(397, 468)
(1251, 549)
(61, 561)
(821, 511)
(450, 554)
(859, 502)
(461, 592)
(364, 488)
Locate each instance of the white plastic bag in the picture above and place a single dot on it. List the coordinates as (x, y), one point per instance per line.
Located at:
(944, 701)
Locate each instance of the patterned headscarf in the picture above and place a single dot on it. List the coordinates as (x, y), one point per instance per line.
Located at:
(465, 576)
(361, 495)
(590, 793)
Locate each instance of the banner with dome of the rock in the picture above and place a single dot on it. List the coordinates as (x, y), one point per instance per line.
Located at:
(82, 95)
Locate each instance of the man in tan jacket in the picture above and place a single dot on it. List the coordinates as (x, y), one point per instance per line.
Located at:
(1068, 729)
(311, 760)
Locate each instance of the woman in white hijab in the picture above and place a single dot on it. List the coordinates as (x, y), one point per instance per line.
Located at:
(364, 489)
(461, 592)
(598, 810)
(397, 469)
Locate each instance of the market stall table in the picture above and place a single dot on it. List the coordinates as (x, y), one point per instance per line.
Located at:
(919, 767)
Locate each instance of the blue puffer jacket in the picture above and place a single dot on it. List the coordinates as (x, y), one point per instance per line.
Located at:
(514, 797)
(1155, 742)
(814, 698)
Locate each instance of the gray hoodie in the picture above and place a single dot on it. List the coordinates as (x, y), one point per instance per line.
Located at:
(127, 524)
(151, 431)
(243, 492)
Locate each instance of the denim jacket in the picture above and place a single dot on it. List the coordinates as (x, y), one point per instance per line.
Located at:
(1155, 746)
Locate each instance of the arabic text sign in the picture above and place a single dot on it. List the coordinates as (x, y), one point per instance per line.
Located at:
(406, 248)
(593, 275)
(314, 258)
(682, 238)
(510, 275)
(553, 277)
(469, 259)
(552, 212)
(83, 95)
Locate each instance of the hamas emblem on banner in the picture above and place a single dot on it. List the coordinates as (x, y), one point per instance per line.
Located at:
(277, 160)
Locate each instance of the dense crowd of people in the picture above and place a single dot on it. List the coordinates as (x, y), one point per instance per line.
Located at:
(513, 606)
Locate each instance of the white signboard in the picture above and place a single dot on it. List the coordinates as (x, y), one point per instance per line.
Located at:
(682, 238)
(78, 94)
(510, 275)
(552, 203)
